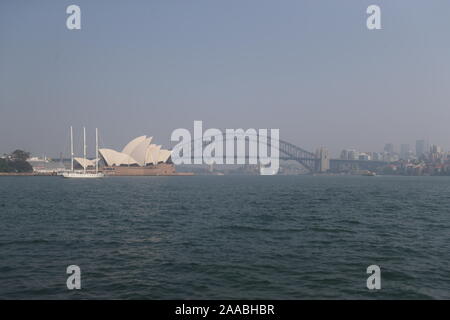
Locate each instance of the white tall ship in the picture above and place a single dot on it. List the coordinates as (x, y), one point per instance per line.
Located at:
(84, 174)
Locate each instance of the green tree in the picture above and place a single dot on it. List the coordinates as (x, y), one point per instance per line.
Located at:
(19, 155)
(4, 166)
(16, 162)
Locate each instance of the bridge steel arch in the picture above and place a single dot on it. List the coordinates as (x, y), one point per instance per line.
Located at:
(293, 152)
(288, 151)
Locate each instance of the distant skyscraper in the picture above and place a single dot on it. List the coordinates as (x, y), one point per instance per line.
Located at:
(404, 151)
(435, 149)
(389, 148)
(420, 148)
(436, 153)
(349, 154)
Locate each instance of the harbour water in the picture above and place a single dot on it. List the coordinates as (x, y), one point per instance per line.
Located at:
(225, 237)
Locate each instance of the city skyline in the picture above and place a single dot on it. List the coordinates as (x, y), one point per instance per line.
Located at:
(413, 150)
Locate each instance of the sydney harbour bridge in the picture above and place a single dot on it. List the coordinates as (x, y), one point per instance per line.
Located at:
(319, 161)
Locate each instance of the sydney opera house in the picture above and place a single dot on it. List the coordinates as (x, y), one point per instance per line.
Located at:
(138, 157)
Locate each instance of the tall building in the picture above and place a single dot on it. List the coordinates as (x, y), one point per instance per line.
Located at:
(349, 154)
(435, 153)
(404, 151)
(420, 148)
(435, 149)
(389, 148)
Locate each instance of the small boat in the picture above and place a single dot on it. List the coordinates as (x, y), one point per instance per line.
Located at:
(84, 174)
(369, 173)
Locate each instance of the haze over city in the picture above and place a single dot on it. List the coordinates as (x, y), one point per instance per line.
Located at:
(309, 68)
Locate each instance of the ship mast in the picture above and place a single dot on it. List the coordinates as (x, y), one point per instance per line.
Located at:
(71, 148)
(84, 144)
(96, 150)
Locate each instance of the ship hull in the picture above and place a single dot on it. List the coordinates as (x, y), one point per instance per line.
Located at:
(76, 175)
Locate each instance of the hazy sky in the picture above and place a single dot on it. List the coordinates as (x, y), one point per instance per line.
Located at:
(310, 68)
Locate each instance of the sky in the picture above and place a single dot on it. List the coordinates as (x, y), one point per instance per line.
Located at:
(309, 68)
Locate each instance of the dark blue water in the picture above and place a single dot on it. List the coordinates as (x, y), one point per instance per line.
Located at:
(227, 237)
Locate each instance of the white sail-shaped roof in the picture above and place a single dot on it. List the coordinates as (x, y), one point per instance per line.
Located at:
(152, 154)
(155, 154)
(140, 151)
(114, 158)
(164, 155)
(85, 162)
(148, 155)
(128, 149)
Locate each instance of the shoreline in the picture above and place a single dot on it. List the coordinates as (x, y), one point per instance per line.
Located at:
(26, 174)
(55, 174)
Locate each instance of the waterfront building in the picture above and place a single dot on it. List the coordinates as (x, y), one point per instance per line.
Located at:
(349, 154)
(364, 156)
(138, 157)
(377, 156)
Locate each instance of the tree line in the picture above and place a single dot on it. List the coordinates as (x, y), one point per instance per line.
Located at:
(16, 161)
